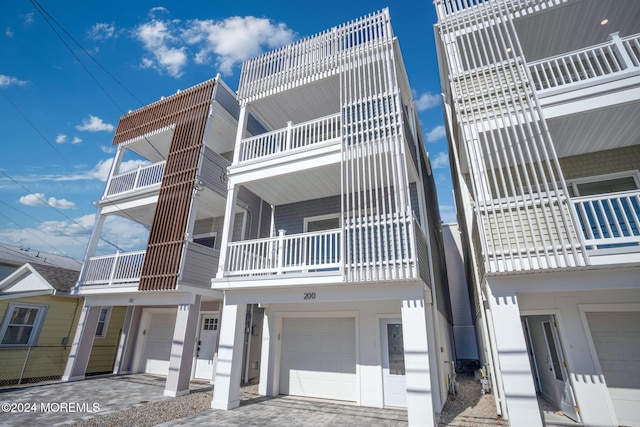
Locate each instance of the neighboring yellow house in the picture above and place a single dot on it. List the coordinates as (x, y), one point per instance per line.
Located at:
(39, 318)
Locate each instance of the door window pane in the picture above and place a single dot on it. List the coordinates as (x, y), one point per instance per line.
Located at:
(553, 351)
(395, 346)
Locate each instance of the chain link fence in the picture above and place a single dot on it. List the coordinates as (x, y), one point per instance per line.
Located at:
(33, 364)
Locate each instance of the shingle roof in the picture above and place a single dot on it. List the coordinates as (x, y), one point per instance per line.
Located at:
(19, 256)
(61, 279)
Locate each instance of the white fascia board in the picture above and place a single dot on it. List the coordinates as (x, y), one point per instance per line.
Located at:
(199, 290)
(117, 205)
(18, 295)
(591, 98)
(285, 164)
(140, 299)
(12, 283)
(379, 291)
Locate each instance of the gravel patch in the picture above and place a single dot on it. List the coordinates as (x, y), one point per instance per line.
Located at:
(469, 407)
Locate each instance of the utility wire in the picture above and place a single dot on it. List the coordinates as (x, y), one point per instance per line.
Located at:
(58, 210)
(24, 116)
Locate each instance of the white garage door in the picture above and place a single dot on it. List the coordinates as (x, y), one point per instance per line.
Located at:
(319, 358)
(616, 337)
(159, 326)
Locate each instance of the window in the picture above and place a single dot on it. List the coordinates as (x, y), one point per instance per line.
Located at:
(604, 184)
(322, 222)
(22, 324)
(206, 239)
(103, 322)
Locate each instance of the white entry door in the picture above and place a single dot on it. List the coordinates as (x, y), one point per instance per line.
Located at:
(393, 373)
(556, 363)
(206, 348)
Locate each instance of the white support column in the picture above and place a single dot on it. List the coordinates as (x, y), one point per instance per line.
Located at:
(124, 340)
(226, 394)
(242, 124)
(82, 342)
(267, 356)
(416, 360)
(227, 230)
(93, 243)
(182, 347)
(517, 379)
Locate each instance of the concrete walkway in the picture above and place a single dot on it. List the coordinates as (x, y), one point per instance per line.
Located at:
(292, 411)
(128, 399)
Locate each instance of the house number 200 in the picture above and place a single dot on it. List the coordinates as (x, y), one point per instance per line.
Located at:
(309, 295)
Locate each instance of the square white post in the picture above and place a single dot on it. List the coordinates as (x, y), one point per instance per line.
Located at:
(416, 362)
(226, 394)
(517, 379)
(82, 342)
(182, 347)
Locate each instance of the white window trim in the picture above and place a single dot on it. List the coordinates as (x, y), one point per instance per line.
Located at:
(107, 318)
(309, 219)
(37, 324)
(573, 183)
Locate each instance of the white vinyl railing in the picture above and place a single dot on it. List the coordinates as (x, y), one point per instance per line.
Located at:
(291, 138)
(112, 269)
(305, 252)
(594, 62)
(609, 219)
(143, 176)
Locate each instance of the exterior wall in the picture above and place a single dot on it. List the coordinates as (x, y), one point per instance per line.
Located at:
(49, 356)
(291, 217)
(602, 162)
(103, 351)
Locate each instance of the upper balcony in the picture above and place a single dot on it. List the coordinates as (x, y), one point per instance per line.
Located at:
(605, 62)
(144, 177)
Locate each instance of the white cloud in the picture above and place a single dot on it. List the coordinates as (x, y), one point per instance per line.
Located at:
(427, 100)
(109, 149)
(226, 43)
(39, 199)
(76, 140)
(156, 37)
(436, 134)
(235, 39)
(11, 81)
(440, 161)
(8, 32)
(28, 18)
(95, 124)
(102, 31)
(61, 138)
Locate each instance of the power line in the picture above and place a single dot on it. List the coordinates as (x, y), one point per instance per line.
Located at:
(33, 125)
(58, 210)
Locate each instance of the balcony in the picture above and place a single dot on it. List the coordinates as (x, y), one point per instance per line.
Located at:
(374, 248)
(593, 65)
(144, 176)
(304, 252)
(610, 221)
(291, 139)
(118, 269)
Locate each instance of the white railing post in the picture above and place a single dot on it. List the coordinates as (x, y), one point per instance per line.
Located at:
(280, 265)
(137, 180)
(113, 267)
(288, 138)
(620, 50)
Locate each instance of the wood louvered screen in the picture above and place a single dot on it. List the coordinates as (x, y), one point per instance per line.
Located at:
(188, 110)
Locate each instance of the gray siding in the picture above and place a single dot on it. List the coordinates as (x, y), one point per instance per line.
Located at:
(291, 217)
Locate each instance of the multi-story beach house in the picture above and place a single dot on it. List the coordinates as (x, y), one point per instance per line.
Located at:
(346, 255)
(183, 144)
(542, 103)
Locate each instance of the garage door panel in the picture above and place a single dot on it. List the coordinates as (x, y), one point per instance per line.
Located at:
(318, 358)
(616, 337)
(157, 346)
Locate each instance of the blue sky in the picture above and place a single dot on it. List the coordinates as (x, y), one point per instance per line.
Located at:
(60, 107)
